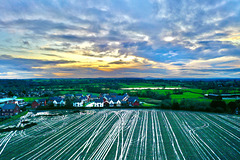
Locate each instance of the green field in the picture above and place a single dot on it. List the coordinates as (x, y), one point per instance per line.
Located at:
(125, 134)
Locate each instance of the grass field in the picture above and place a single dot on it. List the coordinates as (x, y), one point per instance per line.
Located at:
(126, 134)
(31, 99)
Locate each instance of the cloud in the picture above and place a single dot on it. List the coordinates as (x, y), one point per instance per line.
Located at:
(9, 62)
(118, 62)
(60, 74)
(170, 35)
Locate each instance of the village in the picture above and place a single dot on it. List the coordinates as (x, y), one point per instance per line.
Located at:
(13, 106)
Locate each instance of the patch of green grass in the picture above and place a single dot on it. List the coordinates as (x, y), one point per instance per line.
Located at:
(148, 104)
(200, 91)
(14, 117)
(31, 99)
(186, 95)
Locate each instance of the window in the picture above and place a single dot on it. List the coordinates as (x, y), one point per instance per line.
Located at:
(11, 110)
(3, 110)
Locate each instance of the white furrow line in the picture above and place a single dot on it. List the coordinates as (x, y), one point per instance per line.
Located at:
(107, 139)
(229, 133)
(192, 138)
(231, 119)
(7, 142)
(6, 138)
(59, 142)
(170, 135)
(154, 138)
(54, 136)
(70, 143)
(126, 118)
(106, 144)
(97, 131)
(199, 140)
(31, 133)
(200, 147)
(143, 138)
(175, 138)
(158, 126)
(145, 156)
(208, 147)
(117, 142)
(227, 141)
(227, 123)
(139, 138)
(131, 135)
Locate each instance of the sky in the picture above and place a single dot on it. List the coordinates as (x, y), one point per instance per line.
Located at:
(119, 38)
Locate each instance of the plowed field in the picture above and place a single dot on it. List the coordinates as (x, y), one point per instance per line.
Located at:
(126, 134)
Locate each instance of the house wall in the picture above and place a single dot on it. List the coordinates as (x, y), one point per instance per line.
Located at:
(16, 110)
(35, 104)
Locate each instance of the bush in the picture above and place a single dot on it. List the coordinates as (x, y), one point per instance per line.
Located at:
(194, 105)
(166, 104)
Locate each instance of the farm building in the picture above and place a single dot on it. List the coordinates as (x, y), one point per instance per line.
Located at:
(222, 96)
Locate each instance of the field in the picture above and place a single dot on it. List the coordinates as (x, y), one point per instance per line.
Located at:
(125, 134)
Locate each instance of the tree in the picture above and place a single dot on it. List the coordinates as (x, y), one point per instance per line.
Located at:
(217, 104)
(175, 106)
(232, 106)
(10, 94)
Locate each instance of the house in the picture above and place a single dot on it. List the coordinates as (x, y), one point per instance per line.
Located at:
(124, 103)
(126, 96)
(92, 97)
(70, 96)
(39, 102)
(5, 101)
(42, 102)
(51, 99)
(79, 102)
(133, 101)
(114, 102)
(105, 103)
(35, 104)
(98, 102)
(10, 110)
(78, 95)
(59, 102)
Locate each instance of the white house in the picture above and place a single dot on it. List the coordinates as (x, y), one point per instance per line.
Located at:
(59, 102)
(79, 102)
(98, 103)
(114, 102)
